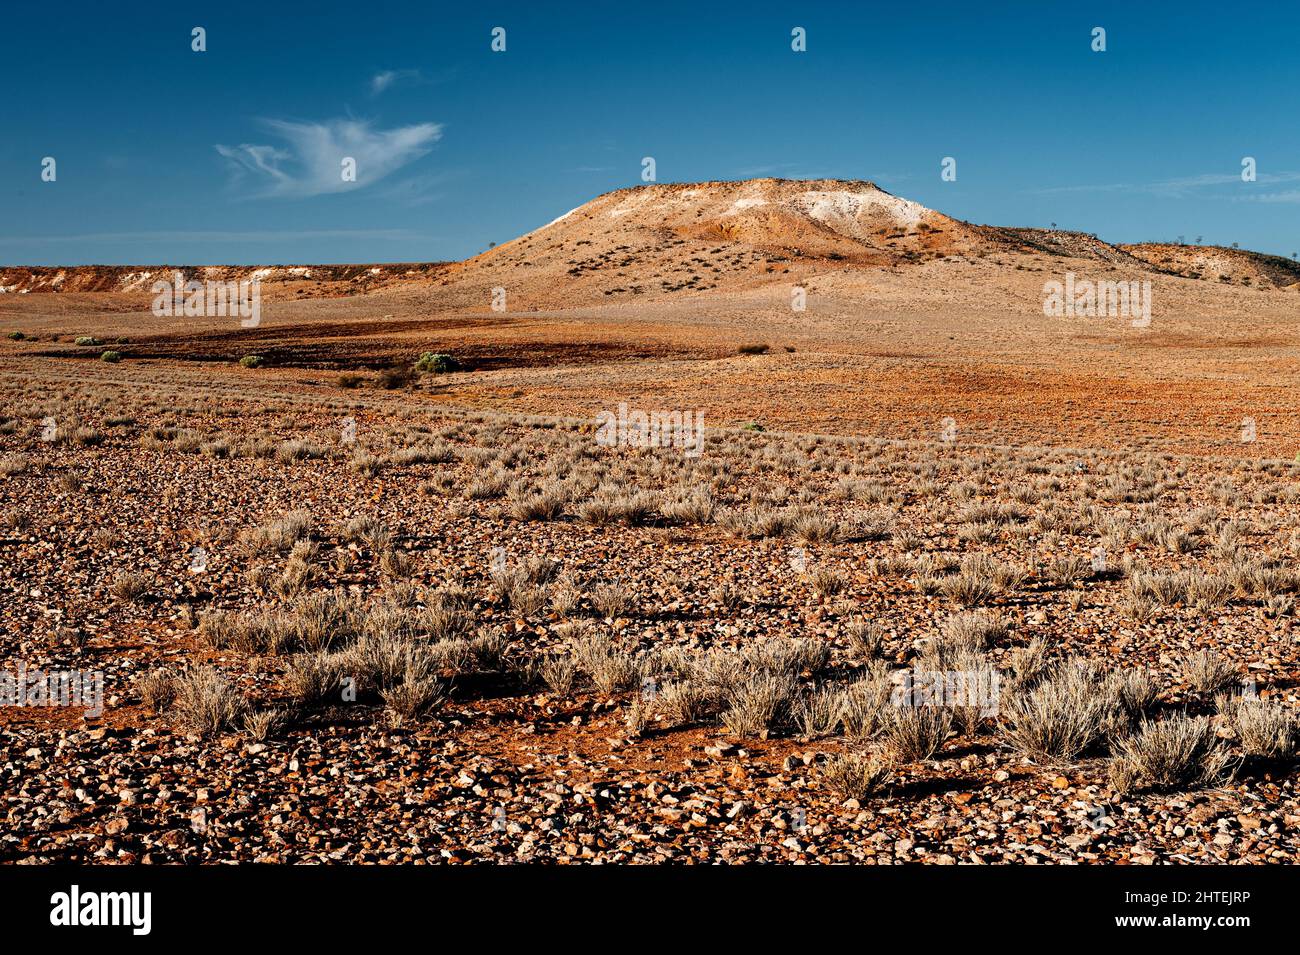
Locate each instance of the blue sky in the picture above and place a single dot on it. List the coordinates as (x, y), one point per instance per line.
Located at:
(165, 155)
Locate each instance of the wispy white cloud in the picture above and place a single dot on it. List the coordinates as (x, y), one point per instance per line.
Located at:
(310, 162)
(386, 79)
(1286, 195)
(1202, 185)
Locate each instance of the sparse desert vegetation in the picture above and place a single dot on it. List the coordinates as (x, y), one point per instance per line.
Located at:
(744, 655)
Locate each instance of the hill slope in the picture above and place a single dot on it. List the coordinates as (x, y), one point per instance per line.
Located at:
(317, 280)
(1217, 264)
(677, 239)
(719, 235)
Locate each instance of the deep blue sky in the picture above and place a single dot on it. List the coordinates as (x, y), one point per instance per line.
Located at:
(459, 146)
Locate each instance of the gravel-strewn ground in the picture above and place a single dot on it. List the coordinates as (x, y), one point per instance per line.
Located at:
(518, 609)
